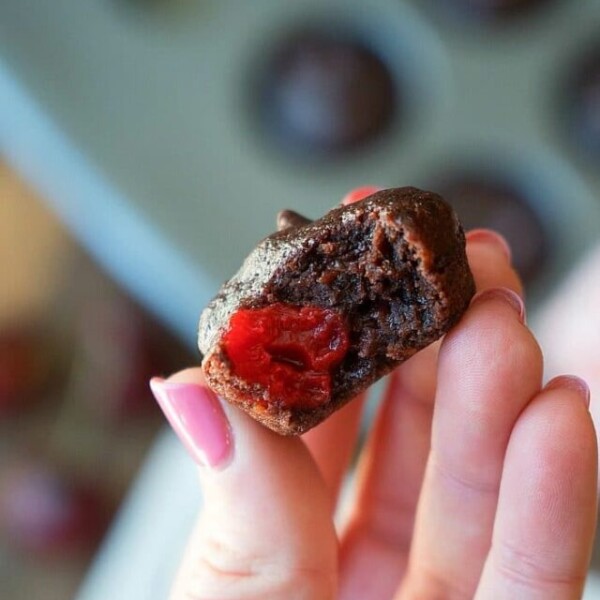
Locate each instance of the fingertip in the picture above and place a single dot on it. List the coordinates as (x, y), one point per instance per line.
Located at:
(188, 375)
(505, 295)
(491, 238)
(487, 255)
(197, 418)
(491, 354)
(572, 383)
(359, 194)
(494, 327)
(261, 510)
(556, 434)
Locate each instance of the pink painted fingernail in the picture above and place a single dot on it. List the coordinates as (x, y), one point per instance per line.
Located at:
(360, 194)
(197, 418)
(508, 296)
(573, 383)
(493, 238)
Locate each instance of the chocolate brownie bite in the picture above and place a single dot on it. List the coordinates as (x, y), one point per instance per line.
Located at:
(326, 92)
(320, 310)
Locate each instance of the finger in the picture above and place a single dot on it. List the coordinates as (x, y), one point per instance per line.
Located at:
(373, 550)
(484, 247)
(332, 443)
(265, 504)
(546, 515)
(380, 528)
(489, 368)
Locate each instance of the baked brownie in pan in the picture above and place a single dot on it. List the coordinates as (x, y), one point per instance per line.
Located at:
(321, 309)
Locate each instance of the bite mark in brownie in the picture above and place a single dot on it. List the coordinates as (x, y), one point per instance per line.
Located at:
(390, 272)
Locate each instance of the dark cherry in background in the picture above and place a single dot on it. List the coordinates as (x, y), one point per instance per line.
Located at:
(326, 92)
(499, 205)
(583, 99)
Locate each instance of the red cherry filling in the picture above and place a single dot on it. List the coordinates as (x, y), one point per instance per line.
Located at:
(289, 350)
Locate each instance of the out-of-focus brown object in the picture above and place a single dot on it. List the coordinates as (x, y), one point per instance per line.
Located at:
(35, 255)
(25, 368)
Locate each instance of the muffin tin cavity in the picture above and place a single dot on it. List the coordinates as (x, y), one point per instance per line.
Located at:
(583, 99)
(326, 92)
(483, 200)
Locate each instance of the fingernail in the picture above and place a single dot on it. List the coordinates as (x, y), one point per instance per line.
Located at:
(493, 238)
(573, 383)
(360, 194)
(197, 418)
(508, 296)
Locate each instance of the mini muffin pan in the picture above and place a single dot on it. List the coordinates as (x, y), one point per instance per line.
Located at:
(207, 118)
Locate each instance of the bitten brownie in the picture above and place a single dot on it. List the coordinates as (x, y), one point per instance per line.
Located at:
(320, 310)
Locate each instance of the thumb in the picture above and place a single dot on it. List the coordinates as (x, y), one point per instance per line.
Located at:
(265, 529)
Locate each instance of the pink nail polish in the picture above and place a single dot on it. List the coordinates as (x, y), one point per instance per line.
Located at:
(573, 383)
(197, 418)
(493, 238)
(508, 296)
(359, 194)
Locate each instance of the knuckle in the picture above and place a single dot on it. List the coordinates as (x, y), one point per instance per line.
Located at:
(222, 572)
(460, 477)
(528, 570)
(426, 583)
(388, 526)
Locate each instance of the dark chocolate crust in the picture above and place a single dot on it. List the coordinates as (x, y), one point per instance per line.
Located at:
(393, 265)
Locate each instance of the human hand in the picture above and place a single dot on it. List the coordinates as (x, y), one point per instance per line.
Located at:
(475, 481)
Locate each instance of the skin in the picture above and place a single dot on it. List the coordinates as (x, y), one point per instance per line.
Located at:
(475, 481)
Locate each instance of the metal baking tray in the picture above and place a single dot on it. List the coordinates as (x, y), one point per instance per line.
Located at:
(155, 100)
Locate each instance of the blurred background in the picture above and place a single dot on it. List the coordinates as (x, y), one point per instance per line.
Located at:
(146, 145)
